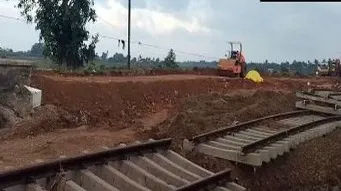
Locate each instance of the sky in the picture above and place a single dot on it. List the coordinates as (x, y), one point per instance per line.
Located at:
(200, 29)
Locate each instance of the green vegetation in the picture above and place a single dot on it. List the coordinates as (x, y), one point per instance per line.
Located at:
(298, 68)
(170, 60)
(118, 61)
(36, 51)
(62, 28)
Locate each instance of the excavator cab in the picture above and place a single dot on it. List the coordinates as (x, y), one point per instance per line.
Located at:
(234, 64)
(235, 51)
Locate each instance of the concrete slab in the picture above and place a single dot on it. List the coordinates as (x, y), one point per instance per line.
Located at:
(36, 95)
(255, 135)
(34, 187)
(235, 187)
(221, 189)
(224, 146)
(254, 159)
(247, 137)
(68, 185)
(306, 96)
(155, 169)
(266, 157)
(141, 176)
(318, 108)
(172, 167)
(118, 179)
(72, 186)
(264, 130)
(258, 132)
(90, 182)
(230, 142)
(186, 164)
(273, 153)
(237, 139)
(295, 121)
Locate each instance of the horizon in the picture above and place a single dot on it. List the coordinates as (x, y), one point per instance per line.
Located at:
(295, 31)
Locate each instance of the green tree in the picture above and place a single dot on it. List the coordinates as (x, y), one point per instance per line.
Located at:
(284, 68)
(169, 61)
(266, 62)
(62, 27)
(104, 55)
(37, 49)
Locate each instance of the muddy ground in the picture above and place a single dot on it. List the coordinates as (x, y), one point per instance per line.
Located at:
(83, 114)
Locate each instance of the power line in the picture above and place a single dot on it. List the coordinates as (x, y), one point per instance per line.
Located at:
(133, 41)
(156, 46)
(12, 18)
(163, 48)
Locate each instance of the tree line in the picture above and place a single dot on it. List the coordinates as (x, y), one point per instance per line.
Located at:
(36, 50)
(118, 60)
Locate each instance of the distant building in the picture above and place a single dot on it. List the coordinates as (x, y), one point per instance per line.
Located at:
(271, 70)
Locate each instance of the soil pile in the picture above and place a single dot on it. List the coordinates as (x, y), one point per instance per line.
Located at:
(212, 111)
(42, 120)
(118, 102)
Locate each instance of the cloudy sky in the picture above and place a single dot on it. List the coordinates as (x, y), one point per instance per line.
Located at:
(273, 31)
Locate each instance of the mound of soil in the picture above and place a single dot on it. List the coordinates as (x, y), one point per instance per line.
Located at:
(118, 102)
(43, 119)
(215, 110)
(8, 117)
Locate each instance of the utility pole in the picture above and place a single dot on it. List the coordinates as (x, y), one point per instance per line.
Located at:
(129, 18)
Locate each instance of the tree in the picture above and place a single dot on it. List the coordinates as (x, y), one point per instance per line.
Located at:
(104, 55)
(170, 60)
(285, 67)
(37, 49)
(62, 27)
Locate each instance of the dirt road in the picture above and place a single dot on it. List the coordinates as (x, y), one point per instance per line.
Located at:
(143, 79)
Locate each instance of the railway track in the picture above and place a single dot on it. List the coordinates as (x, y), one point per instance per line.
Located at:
(258, 141)
(320, 100)
(137, 167)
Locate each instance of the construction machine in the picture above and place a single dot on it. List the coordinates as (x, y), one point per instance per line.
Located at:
(234, 64)
(330, 68)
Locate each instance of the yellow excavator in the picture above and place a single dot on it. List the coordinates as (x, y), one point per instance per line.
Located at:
(234, 64)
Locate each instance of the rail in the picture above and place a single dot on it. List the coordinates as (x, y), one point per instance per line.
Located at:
(24, 175)
(243, 125)
(211, 180)
(317, 98)
(273, 138)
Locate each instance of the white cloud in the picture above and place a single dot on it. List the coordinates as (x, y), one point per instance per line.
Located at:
(15, 34)
(152, 21)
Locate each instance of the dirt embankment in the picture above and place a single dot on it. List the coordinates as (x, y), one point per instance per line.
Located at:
(86, 113)
(211, 111)
(116, 102)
